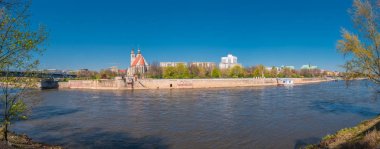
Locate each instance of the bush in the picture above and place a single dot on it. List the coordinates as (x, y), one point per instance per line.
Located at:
(236, 72)
(216, 73)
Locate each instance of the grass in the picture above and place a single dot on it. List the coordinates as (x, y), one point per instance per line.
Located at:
(22, 142)
(363, 136)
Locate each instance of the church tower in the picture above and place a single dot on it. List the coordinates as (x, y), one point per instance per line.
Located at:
(133, 56)
(138, 51)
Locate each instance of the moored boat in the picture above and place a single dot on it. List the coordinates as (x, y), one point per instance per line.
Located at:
(285, 82)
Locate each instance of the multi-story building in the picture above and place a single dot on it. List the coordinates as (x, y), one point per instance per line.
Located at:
(229, 62)
(278, 69)
(288, 67)
(114, 69)
(207, 65)
(309, 67)
(171, 64)
(330, 73)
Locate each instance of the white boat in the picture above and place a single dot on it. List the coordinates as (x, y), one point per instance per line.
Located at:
(285, 82)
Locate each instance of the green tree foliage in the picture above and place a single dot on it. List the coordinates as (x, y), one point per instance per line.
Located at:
(216, 73)
(262, 70)
(198, 72)
(19, 47)
(169, 72)
(259, 71)
(236, 72)
(362, 50)
(182, 72)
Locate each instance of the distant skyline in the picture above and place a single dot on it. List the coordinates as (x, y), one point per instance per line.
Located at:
(97, 34)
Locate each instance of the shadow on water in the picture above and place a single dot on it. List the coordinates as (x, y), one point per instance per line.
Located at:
(54, 111)
(301, 143)
(340, 107)
(98, 138)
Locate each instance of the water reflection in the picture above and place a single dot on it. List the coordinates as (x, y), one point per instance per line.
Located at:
(256, 117)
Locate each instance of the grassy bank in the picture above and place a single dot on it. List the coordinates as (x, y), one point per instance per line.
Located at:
(23, 142)
(366, 135)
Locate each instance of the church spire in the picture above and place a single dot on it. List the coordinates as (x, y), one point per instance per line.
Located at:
(133, 56)
(138, 51)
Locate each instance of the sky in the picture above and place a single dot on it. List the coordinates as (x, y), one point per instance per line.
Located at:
(98, 34)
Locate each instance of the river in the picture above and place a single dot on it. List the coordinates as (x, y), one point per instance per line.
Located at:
(250, 117)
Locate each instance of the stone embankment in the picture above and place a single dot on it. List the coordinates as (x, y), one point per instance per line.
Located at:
(121, 84)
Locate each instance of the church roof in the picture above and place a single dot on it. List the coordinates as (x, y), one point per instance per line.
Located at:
(139, 60)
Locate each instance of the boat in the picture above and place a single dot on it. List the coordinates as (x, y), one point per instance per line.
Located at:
(285, 82)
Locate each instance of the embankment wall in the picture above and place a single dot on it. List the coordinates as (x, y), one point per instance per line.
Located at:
(178, 83)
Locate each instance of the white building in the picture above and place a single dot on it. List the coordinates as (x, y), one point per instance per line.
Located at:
(278, 69)
(229, 62)
(309, 67)
(114, 69)
(171, 64)
(207, 65)
(289, 67)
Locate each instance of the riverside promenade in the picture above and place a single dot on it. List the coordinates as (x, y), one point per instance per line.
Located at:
(121, 84)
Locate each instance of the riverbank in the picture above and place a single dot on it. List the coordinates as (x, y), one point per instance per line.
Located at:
(24, 142)
(366, 135)
(120, 84)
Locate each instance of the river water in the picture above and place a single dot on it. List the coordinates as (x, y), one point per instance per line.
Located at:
(251, 117)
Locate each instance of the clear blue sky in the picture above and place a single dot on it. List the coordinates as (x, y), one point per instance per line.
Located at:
(98, 34)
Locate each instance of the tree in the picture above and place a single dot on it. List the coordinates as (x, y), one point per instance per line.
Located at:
(273, 72)
(202, 72)
(287, 72)
(249, 72)
(182, 72)
(169, 72)
(236, 72)
(306, 73)
(208, 71)
(216, 73)
(259, 71)
(362, 49)
(19, 47)
(194, 71)
(155, 71)
(106, 74)
(225, 73)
